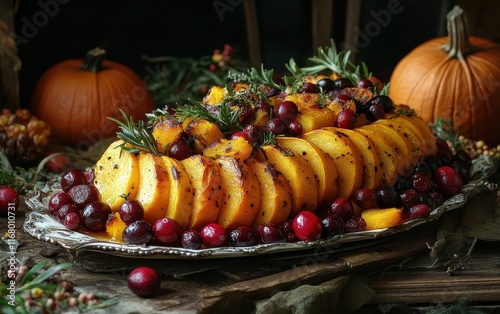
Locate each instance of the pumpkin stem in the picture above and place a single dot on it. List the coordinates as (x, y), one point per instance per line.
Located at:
(458, 38)
(93, 60)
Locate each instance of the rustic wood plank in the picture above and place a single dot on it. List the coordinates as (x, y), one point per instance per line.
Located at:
(478, 284)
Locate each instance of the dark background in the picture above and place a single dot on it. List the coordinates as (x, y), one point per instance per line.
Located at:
(128, 29)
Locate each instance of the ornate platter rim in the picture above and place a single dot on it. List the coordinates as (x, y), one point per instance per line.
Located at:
(42, 226)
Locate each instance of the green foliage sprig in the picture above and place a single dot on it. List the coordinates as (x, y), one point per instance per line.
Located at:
(137, 134)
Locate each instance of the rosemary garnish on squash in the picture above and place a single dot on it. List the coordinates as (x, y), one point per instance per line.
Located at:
(331, 59)
(137, 136)
(225, 117)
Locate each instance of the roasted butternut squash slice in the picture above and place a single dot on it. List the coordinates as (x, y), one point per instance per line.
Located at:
(275, 194)
(320, 162)
(390, 157)
(372, 171)
(240, 193)
(207, 188)
(403, 145)
(117, 175)
(203, 133)
(238, 148)
(154, 187)
(346, 157)
(298, 174)
(166, 132)
(180, 193)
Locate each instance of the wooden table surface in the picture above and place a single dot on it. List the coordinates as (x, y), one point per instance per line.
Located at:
(216, 286)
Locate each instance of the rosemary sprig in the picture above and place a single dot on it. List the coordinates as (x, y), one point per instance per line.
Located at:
(268, 138)
(254, 78)
(329, 58)
(225, 117)
(157, 115)
(137, 134)
(385, 90)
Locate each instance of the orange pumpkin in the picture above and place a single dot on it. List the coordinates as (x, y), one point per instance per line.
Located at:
(455, 78)
(77, 96)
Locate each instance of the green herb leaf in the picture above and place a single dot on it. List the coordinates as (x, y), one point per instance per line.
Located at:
(136, 134)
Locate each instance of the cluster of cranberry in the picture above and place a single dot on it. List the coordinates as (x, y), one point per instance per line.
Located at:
(79, 203)
(433, 180)
(283, 115)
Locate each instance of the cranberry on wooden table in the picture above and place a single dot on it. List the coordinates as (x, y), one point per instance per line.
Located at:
(144, 281)
(9, 200)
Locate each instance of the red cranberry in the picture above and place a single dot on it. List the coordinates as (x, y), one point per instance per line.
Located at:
(342, 83)
(408, 198)
(444, 150)
(437, 197)
(252, 132)
(167, 231)
(57, 200)
(72, 177)
(72, 221)
(263, 105)
(276, 126)
(307, 226)
(375, 112)
(244, 135)
(57, 164)
(144, 281)
(180, 150)
(341, 207)
(242, 236)
(386, 196)
(332, 225)
(287, 111)
(95, 215)
(271, 233)
(191, 239)
(365, 198)
(419, 211)
(326, 84)
(65, 209)
(84, 194)
(346, 119)
(309, 87)
(139, 232)
(295, 128)
(214, 235)
(130, 211)
(9, 200)
(354, 224)
(383, 101)
(448, 181)
(365, 83)
(421, 182)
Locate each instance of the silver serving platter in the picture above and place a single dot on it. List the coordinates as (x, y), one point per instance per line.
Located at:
(42, 226)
